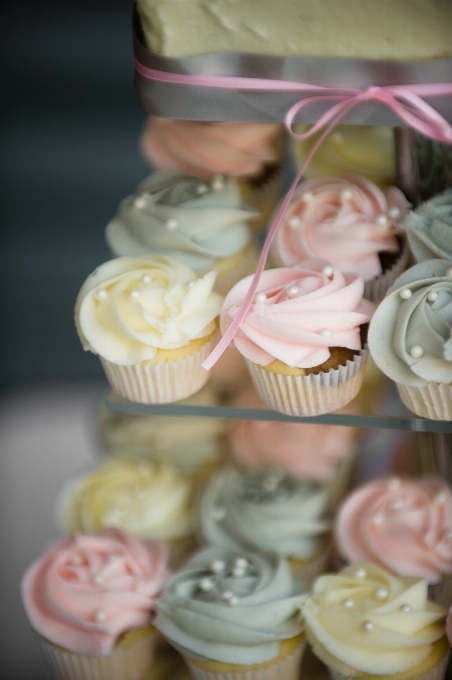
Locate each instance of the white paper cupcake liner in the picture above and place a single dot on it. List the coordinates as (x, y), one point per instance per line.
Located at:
(124, 663)
(375, 289)
(310, 395)
(437, 673)
(225, 281)
(433, 400)
(284, 669)
(162, 383)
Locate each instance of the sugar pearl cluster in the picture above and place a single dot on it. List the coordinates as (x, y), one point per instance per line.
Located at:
(221, 571)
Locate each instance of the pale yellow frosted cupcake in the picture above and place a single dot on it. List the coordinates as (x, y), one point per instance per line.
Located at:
(152, 322)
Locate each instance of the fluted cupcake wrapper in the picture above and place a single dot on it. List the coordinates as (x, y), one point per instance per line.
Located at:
(161, 383)
(313, 394)
(287, 668)
(433, 400)
(376, 289)
(124, 663)
(226, 280)
(436, 673)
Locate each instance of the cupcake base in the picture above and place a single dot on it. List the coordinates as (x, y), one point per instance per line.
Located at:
(313, 394)
(130, 659)
(433, 400)
(161, 383)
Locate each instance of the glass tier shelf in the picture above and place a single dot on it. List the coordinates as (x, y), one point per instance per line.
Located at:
(391, 414)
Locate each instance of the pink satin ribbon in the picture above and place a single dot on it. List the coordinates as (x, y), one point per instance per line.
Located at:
(406, 101)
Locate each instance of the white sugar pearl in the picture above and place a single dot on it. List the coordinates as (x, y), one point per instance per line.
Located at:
(394, 212)
(190, 284)
(378, 519)
(171, 224)
(218, 514)
(449, 272)
(326, 332)
(440, 498)
(348, 603)
(205, 585)
(394, 483)
(405, 294)
(346, 194)
(218, 183)
(217, 566)
(368, 626)
(397, 504)
(233, 601)
(101, 294)
(98, 578)
(382, 220)
(327, 270)
(294, 221)
(406, 608)
(134, 293)
(416, 351)
(381, 593)
(227, 595)
(145, 279)
(201, 189)
(238, 572)
(361, 573)
(293, 291)
(432, 296)
(76, 559)
(241, 562)
(337, 137)
(140, 202)
(260, 298)
(100, 616)
(307, 196)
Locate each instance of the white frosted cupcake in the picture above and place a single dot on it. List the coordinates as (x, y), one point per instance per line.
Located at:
(267, 510)
(301, 337)
(429, 228)
(152, 322)
(364, 623)
(410, 338)
(91, 600)
(234, 616)
(147, 500)
(205, 225)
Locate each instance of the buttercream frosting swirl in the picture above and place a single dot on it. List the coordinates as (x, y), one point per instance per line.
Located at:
(204, 149)
(363, 620)
(148, 500)
(302, 450)
(302, 312)
(264, 510)
(403, 525)
(176, 214)
(429, 228)
(346, 221)
(131, 307)
(410, 334)
(87, 590)
(231, 606)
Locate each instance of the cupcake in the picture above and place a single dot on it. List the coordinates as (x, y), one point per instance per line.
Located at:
(267, 510)
(252, 152)
(301, 337)
(147, 500)
(234, 616)
(350, 222)
(364, 623)
(204, 225)
(304, 451)
(429, 228)
(188, 444)
(152, 322)
(410, 338)
(403, 526)
(91, 600)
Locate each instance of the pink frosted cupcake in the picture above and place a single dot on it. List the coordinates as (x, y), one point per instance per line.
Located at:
(350, 222)
(91, 599)
(301, 337)
(404, 526)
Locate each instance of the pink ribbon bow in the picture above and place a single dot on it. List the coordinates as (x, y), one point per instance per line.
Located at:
(406, 101)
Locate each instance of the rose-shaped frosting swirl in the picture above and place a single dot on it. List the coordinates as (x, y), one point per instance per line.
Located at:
(410, 334)
(300, 314)
(129, 308)
(204, 149)
(264, 510)
(402, 525)
(148, 500)
(87, 590)
(363, 620)
(346, 221)
(429, 228)
(177, 215)
(302, 450)
(231, 606)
